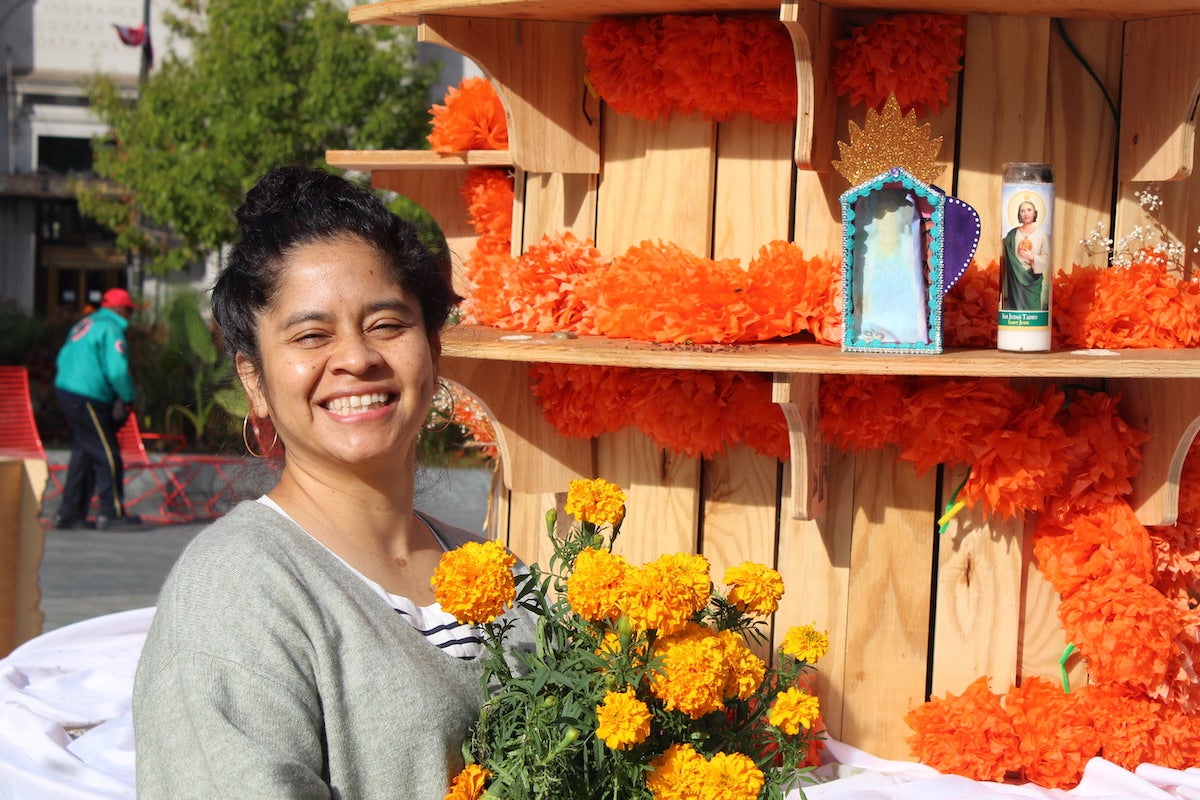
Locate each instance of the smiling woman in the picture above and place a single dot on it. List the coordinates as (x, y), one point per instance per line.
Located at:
(297, 649)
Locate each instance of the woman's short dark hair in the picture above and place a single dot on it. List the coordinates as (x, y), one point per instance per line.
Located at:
(293, 206)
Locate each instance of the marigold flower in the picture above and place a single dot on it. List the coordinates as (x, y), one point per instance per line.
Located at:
(596, 584)
(595, 501)
(744, 671)
(805, 643)
(694, 673)
(624, 720)
(754, 587)
(678, 774)
(662, 595)
(794, 709)
(475, 582)
(469, 784)
(733, 775)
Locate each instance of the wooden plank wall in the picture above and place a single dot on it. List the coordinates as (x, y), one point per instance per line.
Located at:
(909, 612)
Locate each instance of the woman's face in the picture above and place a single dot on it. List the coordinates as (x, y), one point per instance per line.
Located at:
(348, 371)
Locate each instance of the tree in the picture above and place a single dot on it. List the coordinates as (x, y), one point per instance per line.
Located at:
(268, 82)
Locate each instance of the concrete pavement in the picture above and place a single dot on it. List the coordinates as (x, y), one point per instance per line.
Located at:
(87, 573)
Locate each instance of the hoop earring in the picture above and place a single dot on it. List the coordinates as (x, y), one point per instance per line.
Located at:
(246, 439)
(441, 408)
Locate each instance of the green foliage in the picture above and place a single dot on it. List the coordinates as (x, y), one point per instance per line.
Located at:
(214, 393)
(268, 83)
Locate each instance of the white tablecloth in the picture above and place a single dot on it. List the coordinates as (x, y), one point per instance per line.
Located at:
(65, 734)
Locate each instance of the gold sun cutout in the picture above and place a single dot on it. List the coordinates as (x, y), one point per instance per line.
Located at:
(889, 139)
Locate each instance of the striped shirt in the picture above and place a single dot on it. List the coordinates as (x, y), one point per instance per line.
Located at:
(439, 627)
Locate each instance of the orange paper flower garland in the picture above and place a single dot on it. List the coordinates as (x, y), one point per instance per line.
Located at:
(912, 56)
(717, 67)
(1126, 602)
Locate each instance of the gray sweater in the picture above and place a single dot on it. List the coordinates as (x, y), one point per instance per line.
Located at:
(272, 671)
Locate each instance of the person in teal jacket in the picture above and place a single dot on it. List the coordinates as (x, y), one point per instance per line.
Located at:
(96, 393)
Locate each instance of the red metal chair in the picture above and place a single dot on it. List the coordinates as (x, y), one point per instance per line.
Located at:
(19, 436)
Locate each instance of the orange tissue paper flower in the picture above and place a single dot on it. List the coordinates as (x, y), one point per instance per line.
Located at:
(970, 734)
(944, 416)
(1103, 454)
(970, 307)
(863, 412)
(1014, 468)
(1056, 731)
(541, 286)
(1073, 550)
(912, 56)
(471, 117)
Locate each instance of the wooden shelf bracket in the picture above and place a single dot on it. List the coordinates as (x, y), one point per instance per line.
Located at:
(1168, 410)
(813, 28)
(797, 396)
(1160, 99)
(553, 122)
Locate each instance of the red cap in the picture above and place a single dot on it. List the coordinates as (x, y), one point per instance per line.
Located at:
(117, 298)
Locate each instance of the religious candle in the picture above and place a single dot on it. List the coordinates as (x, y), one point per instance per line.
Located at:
(1026, 256)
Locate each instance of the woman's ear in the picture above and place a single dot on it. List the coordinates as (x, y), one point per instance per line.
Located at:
(251, 380)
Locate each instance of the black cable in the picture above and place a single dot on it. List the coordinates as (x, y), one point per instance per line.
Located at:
(1062, 32)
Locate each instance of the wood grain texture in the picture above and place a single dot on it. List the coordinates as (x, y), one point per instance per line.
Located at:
(534, 458)
(814, 29)
(1169, 412)
(548, 128)
(663, 495)
(406, 12)
(1077, 112)
(814, 559)
(1005, 76)
(977, 626)
(752, 204)
(22, 482)
(887, 636)
(1159, 98)
(1043, 640)
(556, 203)
(438, 193)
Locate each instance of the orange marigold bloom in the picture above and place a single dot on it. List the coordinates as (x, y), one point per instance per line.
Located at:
(693, 675)
(664, 594)
(469, 784)
(754, 587)
(596, 585)
(475, 582)
(596, 501)
(733, 775)
(794, 709)
(805, 643)
(678, 774)
(623, 720)
(471, 118)
(970, 734)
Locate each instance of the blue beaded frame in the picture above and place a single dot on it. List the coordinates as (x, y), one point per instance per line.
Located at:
(894, 178)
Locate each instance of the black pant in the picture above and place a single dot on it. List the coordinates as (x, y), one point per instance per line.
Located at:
(95, 466)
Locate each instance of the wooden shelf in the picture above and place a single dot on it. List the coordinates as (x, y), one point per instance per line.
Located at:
(408, 12)
(800, 357)
(379, 160)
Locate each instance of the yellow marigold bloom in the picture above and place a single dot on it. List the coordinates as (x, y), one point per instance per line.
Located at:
(806, 643)
(678, 774)
(694, 673)
(475, 582)
(596, 584)
(624, 720)
(468, 784)
(754, 588)
(744, 671)
(662, 595)
(596, 501)
(611, 644)
(793, 710)
(732, 776)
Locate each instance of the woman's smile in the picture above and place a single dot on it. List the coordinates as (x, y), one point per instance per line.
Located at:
(353, 405)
